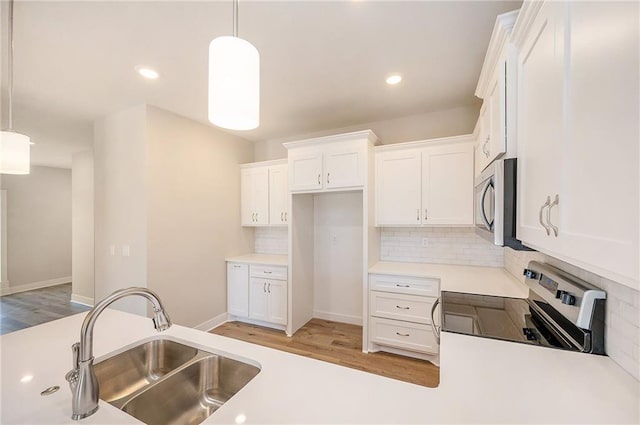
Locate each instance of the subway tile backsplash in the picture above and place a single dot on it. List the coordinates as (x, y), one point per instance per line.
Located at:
(271, 240)
(622, 321)
(445, 245)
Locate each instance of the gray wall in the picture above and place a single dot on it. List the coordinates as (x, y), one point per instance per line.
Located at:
(82, 266)
(38, 227)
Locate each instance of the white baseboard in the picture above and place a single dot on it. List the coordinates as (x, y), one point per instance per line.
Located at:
(335, 317)
(213, 323)
(79, 299)
(35, 285)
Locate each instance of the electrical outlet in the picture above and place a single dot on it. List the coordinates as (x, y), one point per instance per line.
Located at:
(425, 241)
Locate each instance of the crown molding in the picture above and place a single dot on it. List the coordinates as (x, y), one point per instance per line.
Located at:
(356, 135)
(527, 14)
(499, 38)
(465, 138)
(264, 163)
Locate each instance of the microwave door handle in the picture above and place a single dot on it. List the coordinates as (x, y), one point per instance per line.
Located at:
(483, 213)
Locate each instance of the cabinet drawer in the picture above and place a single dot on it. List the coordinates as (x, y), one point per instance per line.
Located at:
(269, 272)
(411, 308)
(405, 285)
(405, 335)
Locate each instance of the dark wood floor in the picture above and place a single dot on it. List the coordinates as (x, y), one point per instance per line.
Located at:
(26, 309)
(337, 343)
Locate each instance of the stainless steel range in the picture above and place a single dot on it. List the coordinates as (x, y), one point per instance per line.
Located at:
(562, 311)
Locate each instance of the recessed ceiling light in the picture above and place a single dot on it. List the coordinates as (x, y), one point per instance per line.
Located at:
(147, 72)
(394, 79)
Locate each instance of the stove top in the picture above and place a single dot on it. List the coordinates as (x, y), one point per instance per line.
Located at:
(561, 312)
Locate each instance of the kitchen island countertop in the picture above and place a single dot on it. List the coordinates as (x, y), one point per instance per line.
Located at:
(481, 380)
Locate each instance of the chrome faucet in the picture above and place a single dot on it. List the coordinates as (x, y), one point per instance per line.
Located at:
(82, 379)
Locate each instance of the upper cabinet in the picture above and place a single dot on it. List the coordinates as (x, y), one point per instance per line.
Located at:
(425, 183)
(577, 134)
(329, 163)
(496, 87)
(264, 194)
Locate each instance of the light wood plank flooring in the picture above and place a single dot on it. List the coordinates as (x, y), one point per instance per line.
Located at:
(31, 308)
(337, 343)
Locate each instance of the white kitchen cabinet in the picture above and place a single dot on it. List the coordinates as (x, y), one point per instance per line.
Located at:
(264, 194)
(422, 186)
(496, 87)
(254, 183)
(238, 289)
(278, 195)
(268, 300)
(329, 163)
(578, 135)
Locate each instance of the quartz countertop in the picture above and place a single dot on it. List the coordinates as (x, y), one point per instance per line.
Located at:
(481, 381)
(265, 259)
(468, 279)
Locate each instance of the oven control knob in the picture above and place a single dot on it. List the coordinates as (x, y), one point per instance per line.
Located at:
(568, 299)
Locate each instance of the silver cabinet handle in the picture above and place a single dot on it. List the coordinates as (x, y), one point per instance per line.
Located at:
(436, 331)
(556, 200)
(256, 217)
(267, 272)
(264, 287)
(418, 214)
(236, 266)
(319, 180)
(286, 216)
(403, 286)
(425, 214)
(403, 308)
(282, 216)
(545, 205)
(399, 334)
(269, 288)
(328, 174)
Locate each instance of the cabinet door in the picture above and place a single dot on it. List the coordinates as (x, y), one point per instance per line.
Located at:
(278, 195)
(497, 145)
(540, 116)
(597, 214)
(305, 170)
(447, 185)
(484, 130)
(398, 188)
(258, 299)
(254, 198)
(344, 166)
(277, 291)
(238, 289)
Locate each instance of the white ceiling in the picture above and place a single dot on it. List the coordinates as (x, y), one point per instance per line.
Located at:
(323, 64)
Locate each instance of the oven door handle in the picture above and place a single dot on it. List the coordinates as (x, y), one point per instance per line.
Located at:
(483, 213)
(436, 331)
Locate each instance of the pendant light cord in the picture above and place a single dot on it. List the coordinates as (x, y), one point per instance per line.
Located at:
(235, 18)
(10, 62)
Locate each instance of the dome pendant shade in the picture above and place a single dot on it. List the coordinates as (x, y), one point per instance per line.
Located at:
(14, 153)
(234, 84)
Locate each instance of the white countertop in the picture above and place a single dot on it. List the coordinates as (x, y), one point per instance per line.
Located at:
(266, 259)
(468, 279)
(482, 380)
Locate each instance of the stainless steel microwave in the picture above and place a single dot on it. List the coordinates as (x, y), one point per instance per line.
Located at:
(495, 198)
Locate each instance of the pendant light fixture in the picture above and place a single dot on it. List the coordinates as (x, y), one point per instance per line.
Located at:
(234, 81)
(14, 147)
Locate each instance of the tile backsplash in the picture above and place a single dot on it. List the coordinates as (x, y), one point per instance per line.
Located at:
(445, 245)
(622, 321)
(271, 240)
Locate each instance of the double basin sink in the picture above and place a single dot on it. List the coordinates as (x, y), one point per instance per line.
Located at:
(165, 382)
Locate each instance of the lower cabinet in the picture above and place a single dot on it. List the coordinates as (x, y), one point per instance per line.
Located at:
(400, 313)
(257, 292)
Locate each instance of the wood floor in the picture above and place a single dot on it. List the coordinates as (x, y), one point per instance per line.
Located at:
(337, 343)
(26, 309)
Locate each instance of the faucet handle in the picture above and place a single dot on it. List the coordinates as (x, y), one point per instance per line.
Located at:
(75, 349)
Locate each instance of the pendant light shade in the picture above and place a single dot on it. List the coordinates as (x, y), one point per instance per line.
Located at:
(14, 153)
(15, 149)
(234, 81)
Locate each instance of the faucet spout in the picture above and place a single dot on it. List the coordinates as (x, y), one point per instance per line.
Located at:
(82, 379)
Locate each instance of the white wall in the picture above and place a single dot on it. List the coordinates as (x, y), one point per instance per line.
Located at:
(450, 122)
(82, 262)
(193, 210)
(120, 155)
(338, 257)
(38, 227)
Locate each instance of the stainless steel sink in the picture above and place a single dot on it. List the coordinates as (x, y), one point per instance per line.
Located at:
(165, 382)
